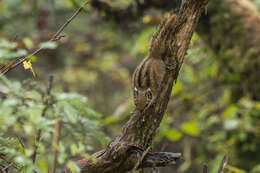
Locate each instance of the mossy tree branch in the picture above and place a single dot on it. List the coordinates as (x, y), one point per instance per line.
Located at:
(122, 154)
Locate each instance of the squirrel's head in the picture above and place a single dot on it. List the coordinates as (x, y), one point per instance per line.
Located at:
(142, 97)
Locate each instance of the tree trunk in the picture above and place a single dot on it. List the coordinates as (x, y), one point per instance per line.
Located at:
(130, 150)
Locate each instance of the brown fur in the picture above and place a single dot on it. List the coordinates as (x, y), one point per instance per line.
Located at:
(148, 75)
(158, 46)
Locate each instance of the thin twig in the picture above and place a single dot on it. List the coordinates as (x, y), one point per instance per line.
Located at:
(21, 141)
(55, 141)
(14, 165)
(46, 105)
(55, 37)
(141, 159)
(222, 165)
(8, 166)
(69, 20)
(50, 86)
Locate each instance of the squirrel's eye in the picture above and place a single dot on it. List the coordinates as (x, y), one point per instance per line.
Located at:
(135, 92)
(149, 94)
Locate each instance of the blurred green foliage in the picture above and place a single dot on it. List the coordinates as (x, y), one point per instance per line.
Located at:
(22, 115)
(91, 95)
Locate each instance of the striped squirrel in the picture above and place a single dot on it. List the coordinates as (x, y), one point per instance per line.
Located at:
(148, 75)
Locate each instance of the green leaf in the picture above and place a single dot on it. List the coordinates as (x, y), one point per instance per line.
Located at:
(34, 95)
(48, 45)
(190, 128)
(7, 44)
(230, 111)
(70, 113)
(73, 149)
(177, 88)
(193, 38)
(73, 167)
(28, 42)
(173, 135)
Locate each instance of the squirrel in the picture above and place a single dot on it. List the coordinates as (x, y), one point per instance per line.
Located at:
(148, 75)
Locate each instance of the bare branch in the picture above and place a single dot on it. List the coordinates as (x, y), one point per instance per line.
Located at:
(4, 69)
(150, 160)
(223, 164)
(8, 166)
(13, 164)
(68, 21)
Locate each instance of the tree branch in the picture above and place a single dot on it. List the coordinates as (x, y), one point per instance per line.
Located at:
(122, 154)
(242, 16)
(140, 160)
(222, 165)
(5, 68)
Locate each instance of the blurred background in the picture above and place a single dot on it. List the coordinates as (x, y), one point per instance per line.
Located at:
(215, 105)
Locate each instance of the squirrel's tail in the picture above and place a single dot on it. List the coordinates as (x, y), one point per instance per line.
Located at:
(159, 40)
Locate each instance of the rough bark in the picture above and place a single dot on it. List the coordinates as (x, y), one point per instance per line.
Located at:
(122, 154)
